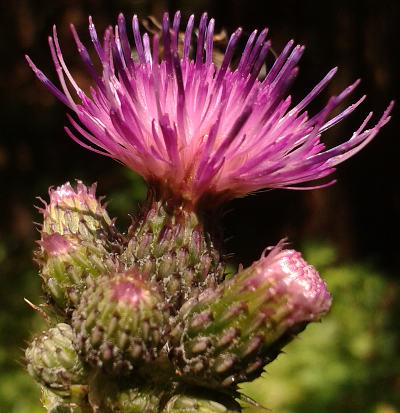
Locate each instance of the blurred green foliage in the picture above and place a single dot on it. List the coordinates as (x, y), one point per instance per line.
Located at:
(347, 363)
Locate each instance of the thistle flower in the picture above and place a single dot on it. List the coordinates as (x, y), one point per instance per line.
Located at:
(157, 300)
(193, 130)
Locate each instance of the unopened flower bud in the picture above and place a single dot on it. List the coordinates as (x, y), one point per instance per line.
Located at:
(189, 404)
(76, 212)
(144, 399)
(169, 243)
(53, 361)
(53, 403)
(231, 333)
(120, 322)
(67, 264)
(77, 239)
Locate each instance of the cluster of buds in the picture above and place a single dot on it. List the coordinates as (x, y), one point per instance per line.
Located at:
(150, 317)
(147, 320)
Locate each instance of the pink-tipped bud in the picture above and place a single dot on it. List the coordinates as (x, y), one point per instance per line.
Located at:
(76, 243)
(75, 212)
(120, 322)
(229, 334)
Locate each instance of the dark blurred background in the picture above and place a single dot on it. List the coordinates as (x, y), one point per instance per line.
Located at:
(351, 361)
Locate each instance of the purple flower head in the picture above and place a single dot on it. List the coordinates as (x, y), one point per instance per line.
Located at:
(195, 130)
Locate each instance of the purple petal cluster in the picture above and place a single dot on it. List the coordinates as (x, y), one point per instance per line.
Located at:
(196, 130)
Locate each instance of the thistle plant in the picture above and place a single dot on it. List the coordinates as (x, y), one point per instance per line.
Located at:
(147, 320)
